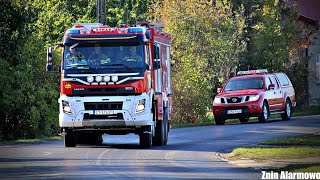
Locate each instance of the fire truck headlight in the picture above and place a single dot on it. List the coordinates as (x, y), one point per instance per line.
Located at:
(66, 107)
(98, 78)
(140, 106)
(217, 100)
(106, 78)
(90, 79)
(114, 78)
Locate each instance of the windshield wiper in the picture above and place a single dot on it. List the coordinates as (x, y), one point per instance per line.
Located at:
(123, 65)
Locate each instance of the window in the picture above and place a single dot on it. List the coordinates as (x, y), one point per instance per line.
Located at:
(267, 82)
(274, 81)
(147, 54)
(283, 79)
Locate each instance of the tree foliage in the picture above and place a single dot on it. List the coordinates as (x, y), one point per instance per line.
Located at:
(274, 29)
(126, 11)
(207, 42)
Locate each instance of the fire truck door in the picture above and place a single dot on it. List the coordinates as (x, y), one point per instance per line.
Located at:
(158, 70)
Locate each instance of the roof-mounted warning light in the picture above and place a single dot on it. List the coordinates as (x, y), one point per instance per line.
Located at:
(135, 30)
(258, 71)
(73, 31)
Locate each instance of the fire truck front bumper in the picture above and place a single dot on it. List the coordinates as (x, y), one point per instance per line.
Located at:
(96, 112)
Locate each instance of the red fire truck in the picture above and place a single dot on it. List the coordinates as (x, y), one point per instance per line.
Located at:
(114, 81)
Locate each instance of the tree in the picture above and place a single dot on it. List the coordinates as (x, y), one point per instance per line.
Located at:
(126, 11)
(272, 35)
(207, 42)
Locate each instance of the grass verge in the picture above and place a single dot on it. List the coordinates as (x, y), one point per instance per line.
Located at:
(305, 140)
(296, 147)
(34, 140)
(258, 153)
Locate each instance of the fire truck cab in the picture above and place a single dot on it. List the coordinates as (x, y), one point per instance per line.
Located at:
(114, 81)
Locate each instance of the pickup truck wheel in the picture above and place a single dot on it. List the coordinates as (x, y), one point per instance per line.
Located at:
(70, 139)
(145, 140)
(264, 114)
(244, 119)
(288, 111)
(219, 120)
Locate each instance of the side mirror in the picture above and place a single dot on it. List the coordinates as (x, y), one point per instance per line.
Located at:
(271, 86)
(156, 64)
(49, 65)
(219, 90)
(149, 34)
(156, 52)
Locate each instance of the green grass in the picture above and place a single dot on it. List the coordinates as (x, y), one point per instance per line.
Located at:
(305, 140)
(258, 153)
(301, 168)
(38, 140)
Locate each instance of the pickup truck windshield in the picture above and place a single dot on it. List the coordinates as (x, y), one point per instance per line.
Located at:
(244, 83)
(103, 58)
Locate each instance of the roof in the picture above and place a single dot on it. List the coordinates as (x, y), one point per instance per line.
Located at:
(250, 76)
(308, 8)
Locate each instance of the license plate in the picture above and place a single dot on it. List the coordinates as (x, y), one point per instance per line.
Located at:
(103, 112)
(237, 111)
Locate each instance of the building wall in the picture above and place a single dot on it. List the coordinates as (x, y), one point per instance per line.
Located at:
(314, 75)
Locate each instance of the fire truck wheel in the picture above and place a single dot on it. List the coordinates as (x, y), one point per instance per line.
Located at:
(264, 114)
(166, 125)
(160, 133)
(96, 139)
(70, 139)
(145, 140)
(219, 120)
(288, 111)
(244, 119)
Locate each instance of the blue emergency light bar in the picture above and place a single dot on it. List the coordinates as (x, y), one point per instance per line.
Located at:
(135, 30)
(73, 31)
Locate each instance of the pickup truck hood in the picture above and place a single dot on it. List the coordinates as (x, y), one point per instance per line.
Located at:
(244, 92)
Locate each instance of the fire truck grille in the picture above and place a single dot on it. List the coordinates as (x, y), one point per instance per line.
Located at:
(118, 116)
(231, 100)
(103, 106)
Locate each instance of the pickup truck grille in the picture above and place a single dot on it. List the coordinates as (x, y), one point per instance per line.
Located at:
(231, 100)
(103, 105)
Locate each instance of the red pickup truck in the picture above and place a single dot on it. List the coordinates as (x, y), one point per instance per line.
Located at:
(254, 93)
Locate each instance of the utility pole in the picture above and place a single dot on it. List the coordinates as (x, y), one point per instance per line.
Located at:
(101, 12)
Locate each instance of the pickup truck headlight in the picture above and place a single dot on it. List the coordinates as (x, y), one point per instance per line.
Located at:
(66, 107)
(217, 100)
(254, 97)
(141, 106)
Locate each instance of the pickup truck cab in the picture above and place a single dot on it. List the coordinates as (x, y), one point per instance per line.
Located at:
(254, 93)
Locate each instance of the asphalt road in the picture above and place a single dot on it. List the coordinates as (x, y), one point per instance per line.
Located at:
(190, 154)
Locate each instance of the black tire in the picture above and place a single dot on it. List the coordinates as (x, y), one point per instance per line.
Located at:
(161, 131)
(288, 111)
(219, 120)
(264, 114)
(159, 137)
(70, 139)
(145, 140)
(166, 125)
(97, 139)
(90, 138)
(244, 119)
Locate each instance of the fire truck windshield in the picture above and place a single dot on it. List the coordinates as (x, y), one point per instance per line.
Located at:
(244, 83)
(103, 58)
